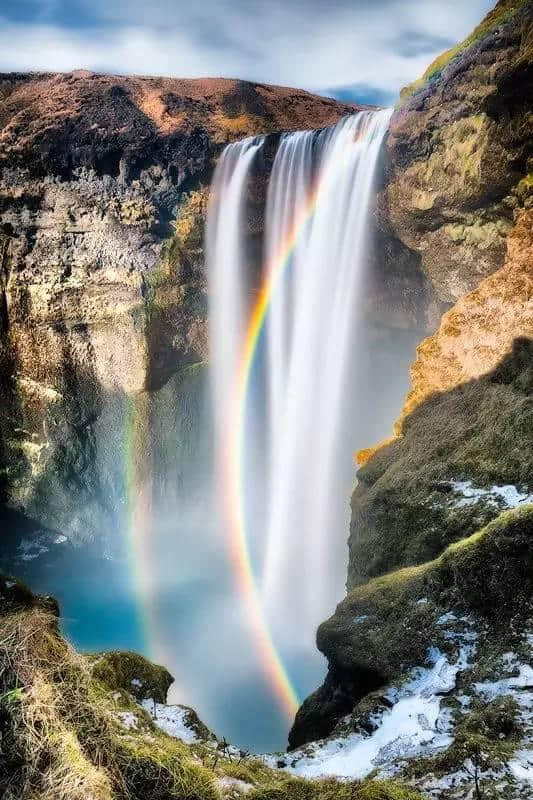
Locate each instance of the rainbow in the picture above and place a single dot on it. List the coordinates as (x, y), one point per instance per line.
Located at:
(139, 523)
(139, 511)
(233, 471)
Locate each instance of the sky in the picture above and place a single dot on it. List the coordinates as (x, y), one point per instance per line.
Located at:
(362, 50)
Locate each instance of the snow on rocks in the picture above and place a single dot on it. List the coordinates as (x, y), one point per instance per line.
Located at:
(414, 725)
(521, 765)
(128, 719)
(172, 720)
(507, 495)
(492, 689)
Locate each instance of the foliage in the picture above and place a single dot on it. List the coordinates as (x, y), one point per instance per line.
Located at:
(134, 674)
(502, 13)
(62, 738)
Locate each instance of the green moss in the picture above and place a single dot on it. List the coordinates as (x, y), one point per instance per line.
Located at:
(162, 768)
(387, 624)
(504, 11)
(480, 234)
(131, 672)
(179, 253)
(186, 242)
(405, 508)
(491, 572)
(524, 189)
(300, 789)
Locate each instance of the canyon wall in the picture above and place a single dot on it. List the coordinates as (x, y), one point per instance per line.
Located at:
(103, 197)
(441, 514)
(103, 193)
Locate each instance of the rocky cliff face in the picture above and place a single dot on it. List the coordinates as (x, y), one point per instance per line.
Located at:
(103, 197)
(440, 572)
(459, 146)
(102, 290)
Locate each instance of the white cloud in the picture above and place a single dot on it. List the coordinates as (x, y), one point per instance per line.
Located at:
(316, 50)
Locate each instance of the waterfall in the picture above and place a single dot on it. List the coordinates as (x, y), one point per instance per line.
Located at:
(312, 296)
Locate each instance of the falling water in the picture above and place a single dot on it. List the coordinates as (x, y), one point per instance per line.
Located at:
(317, 214)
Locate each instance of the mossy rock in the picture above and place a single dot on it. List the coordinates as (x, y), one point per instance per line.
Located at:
(501, 14)
(387, 625)
(406, 509)
(131, 672)
(16, 596)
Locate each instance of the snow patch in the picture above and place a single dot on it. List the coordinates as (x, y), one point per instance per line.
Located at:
(171, 720)
(508, 495)
(128, 719)
(445, 618)
(522, 765)
(414, 725)
(492, 689)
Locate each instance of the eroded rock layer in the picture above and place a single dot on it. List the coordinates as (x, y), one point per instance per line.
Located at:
(460, 142)
(102, 290)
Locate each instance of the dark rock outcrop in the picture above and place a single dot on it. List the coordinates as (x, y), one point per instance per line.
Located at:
(386, 625)
(459, 144)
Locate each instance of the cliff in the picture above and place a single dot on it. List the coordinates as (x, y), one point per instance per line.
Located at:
(459, 146)
(103, 337)
(102, 291)
(440, 573)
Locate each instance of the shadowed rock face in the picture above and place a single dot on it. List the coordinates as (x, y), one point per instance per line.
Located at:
(461, 456)
(459, 145)
(459, 195)
(102, 287)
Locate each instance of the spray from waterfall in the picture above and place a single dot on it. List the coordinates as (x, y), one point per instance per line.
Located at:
(281, 352)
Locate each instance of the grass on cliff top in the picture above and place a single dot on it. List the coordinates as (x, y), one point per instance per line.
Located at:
(499, 15)
(387, 623)
(62, 738)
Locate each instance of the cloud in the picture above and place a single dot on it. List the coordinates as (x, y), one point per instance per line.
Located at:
(415, 43)
(325, 47)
